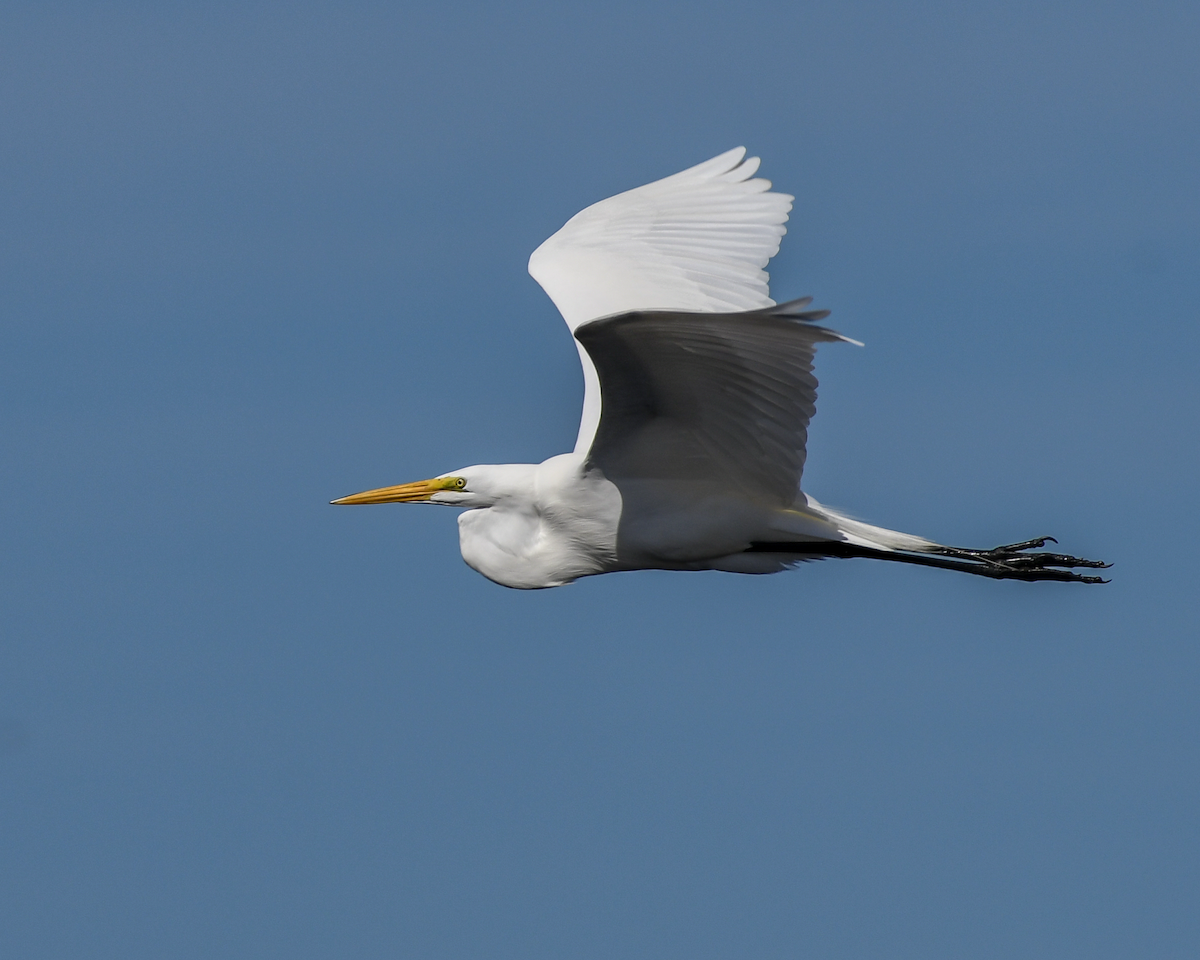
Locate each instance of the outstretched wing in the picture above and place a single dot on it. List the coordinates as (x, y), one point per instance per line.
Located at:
(722, 399)
(697, 240)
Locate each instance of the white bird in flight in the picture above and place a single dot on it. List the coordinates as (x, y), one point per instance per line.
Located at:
(698, 391)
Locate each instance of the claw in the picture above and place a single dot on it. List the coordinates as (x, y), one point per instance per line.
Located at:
(1014, 561)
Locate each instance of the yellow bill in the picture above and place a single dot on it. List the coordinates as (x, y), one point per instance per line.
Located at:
(406, 492)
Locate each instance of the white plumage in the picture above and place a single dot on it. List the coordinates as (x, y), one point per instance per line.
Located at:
(697, 240)
(698, 391)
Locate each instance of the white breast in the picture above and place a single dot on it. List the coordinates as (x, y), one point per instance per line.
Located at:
(566, 530)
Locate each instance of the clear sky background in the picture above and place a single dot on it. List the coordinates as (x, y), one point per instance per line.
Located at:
(258, 256)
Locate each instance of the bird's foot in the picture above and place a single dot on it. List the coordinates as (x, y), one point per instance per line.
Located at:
(1014, 561)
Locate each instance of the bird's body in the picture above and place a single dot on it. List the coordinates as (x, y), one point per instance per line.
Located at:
(698, 394)
(552, 522)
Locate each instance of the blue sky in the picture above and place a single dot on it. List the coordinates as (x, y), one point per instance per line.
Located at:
(259, 256)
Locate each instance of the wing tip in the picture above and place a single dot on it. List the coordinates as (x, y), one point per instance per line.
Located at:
(794, 310)
(732, 166)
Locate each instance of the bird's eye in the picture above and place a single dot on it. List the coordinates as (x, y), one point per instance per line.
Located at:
(460, 483)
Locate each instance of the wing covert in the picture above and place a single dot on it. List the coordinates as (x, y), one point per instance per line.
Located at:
(723, 399)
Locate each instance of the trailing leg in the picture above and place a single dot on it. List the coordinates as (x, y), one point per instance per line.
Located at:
(1013, 561)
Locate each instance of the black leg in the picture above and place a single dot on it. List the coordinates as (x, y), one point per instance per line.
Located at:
(1012, 561)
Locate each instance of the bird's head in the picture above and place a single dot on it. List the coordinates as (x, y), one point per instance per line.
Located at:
(471, 487)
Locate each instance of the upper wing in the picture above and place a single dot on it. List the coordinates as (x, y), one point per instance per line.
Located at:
(716, 398)
(697, 240)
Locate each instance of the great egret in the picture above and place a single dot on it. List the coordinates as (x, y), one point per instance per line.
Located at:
(698, 391)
